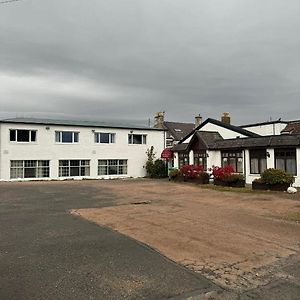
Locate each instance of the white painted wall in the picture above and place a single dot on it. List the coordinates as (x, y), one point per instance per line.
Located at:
(224, 132)
(267, 129)
(47, 149)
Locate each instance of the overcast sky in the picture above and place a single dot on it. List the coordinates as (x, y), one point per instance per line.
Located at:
(127, 59)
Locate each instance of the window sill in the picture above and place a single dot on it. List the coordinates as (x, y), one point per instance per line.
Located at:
(23, 143)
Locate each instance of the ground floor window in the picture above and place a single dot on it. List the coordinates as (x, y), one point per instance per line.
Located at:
(285, 159)
(29, 169)
(112, 166)
(234, 159)
(70, 168)
(183, 159)
(200, 159)
(258, 161)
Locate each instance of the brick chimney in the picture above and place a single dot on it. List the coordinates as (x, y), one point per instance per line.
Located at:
(198, 120)
(225, 118)
(159, 120)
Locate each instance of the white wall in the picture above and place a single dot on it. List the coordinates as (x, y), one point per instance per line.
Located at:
(224, 132)
(47, 149)
(267, 129)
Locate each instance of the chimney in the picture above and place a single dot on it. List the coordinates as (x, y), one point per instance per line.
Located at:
(198, 120)
(225, 118)
(159, 120)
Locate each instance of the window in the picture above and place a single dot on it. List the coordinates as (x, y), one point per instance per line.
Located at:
(29, 169)
(183, 159)
(258, 161)
(70, 168)
(234, 159)
(200, 159)
(285, 159)
(66, 137)
(22, 135)
(105, 138)
(137, 139)
(112, 167)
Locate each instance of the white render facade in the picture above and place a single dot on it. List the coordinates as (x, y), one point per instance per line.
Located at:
(217, 144)
(44, 150)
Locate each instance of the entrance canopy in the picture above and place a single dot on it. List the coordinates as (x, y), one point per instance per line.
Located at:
(167, 153)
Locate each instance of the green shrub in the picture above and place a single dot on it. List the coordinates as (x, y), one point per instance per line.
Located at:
(150, 161)
(174, 173)
(275, 176)
(159, 169)
(203, 177)
(233, 178)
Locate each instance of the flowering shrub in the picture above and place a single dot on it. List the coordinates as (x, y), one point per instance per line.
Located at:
(191, 171)
(220, 173)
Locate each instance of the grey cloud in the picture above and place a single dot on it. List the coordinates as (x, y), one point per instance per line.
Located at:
(185, 57)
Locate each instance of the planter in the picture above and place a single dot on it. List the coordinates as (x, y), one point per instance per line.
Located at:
(271, 187)
(202, 180)
(240, 183)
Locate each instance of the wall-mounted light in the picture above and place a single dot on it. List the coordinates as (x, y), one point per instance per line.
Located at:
(207, 155)
(268, 154)
(47, 128)
(93, 130)
(131, 131)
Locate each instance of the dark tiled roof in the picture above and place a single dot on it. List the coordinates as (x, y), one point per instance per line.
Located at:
(221, 124)
(292, 128)
(75, 123)
(179, 130)
(180, 147)
(209, 137)
(264, 141)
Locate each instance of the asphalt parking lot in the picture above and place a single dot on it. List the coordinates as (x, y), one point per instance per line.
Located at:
(47, 253)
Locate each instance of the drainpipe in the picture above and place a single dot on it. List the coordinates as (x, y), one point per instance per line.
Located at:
(244, 157)
(0, 151)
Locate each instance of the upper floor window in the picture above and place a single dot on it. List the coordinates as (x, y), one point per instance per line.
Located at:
(137, 139)
(105, 138)
(66, 137)
(22, 135)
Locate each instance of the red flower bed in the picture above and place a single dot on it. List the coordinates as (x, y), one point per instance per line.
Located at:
(191, 171)
(220, 173)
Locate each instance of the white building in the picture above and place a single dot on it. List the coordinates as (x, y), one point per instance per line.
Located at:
(266, 128)
(53, 149)
(215, 143)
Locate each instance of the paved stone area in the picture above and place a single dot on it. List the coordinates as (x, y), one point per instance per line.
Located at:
(47, 253)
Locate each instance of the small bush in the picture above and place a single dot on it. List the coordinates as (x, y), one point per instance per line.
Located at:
(219, 173)
(159, 169)
(233, 178)
(276, 176)
(191, 171)
(203, 177)
(174, 173)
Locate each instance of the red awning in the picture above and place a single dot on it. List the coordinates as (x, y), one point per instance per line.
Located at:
(166, 153)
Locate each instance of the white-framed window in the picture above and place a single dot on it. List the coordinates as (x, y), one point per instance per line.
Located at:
(285, 159)
(112, 166)
(105, 138)
(258, 161)
(135, 139)
(74, 167)
(22, 135)
(66, 137)
(29, 169)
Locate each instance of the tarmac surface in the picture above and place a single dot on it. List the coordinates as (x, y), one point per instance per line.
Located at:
(46, 253)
